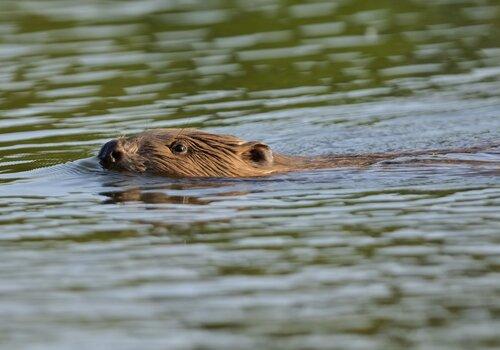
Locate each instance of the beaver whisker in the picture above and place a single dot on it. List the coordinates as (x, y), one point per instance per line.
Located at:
(179, 134)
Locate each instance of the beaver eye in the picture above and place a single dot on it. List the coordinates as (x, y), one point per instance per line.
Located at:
(178, 148)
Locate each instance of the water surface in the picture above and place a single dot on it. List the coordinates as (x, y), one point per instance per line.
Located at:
(390, 257)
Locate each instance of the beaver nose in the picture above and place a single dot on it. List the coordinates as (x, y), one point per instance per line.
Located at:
(110, 154)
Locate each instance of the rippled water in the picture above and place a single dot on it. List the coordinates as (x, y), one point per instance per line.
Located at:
(393, 256)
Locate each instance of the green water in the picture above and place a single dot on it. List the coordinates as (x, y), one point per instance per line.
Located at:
(400, 256)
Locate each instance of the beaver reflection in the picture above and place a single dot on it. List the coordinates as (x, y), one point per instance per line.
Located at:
(194, 153)
(136, 195)
(157, 197)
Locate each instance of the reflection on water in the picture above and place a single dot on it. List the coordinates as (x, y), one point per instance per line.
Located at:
(394, 256)
(135, 195)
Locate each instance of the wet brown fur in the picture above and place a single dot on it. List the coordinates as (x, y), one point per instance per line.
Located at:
(215, 155)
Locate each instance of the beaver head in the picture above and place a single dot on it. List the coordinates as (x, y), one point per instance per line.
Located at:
(187, 153)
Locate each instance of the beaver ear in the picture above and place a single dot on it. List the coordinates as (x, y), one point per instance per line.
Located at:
(257, 152)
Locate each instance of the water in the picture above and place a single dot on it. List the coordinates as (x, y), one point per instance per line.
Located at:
(391, 257)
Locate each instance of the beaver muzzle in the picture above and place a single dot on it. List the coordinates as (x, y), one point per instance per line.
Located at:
(110, 154)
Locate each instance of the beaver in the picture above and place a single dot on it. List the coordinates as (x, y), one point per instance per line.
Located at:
(182, 153)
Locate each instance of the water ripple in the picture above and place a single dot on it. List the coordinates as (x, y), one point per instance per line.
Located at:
(398, 256)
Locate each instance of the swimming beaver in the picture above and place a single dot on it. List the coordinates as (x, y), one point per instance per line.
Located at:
(195, 153)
